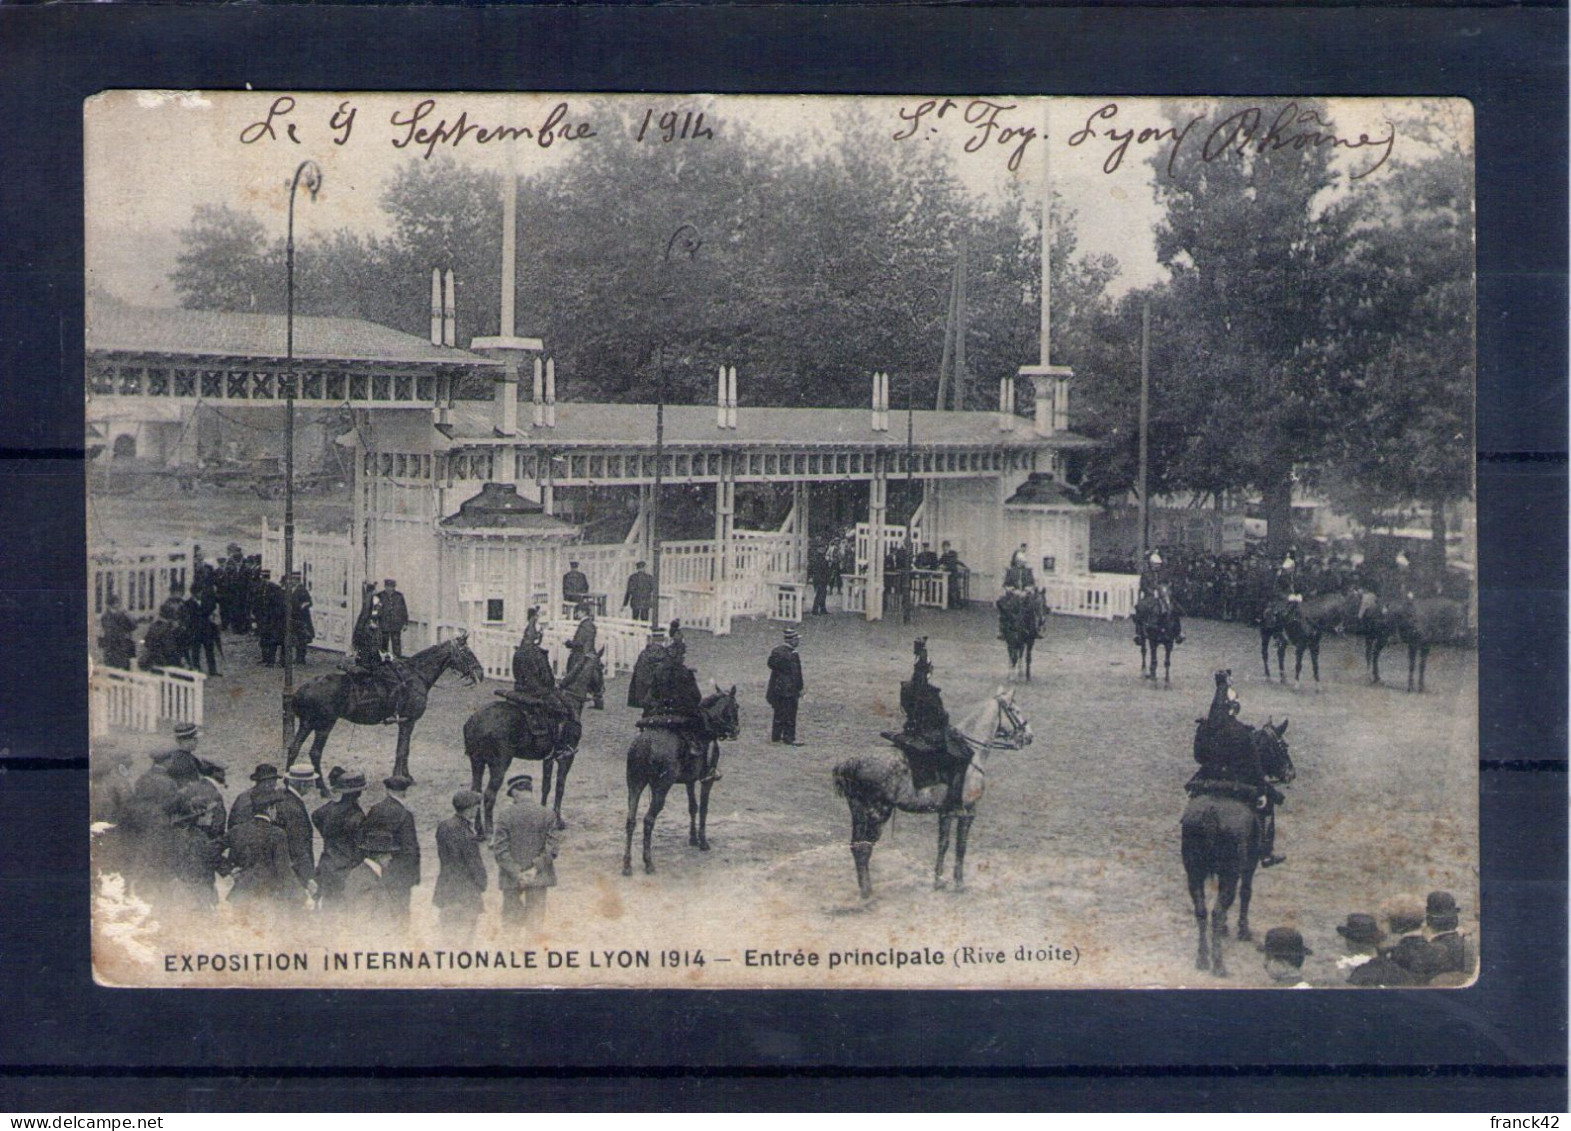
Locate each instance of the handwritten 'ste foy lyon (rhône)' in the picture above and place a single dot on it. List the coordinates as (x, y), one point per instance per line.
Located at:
(1293, 127)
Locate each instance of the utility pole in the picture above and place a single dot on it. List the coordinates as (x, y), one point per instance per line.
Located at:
(1145, 423)
(311, 172)
(689, 245)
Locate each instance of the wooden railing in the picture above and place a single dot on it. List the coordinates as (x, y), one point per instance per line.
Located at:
(140, 701)
(1100, 595)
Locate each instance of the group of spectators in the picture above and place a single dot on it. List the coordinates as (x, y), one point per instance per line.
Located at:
(242, 596)
(169, 833)
(1422, 944)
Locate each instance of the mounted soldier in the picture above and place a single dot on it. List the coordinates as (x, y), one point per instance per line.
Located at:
(1019, 575)
(583, 642)
(673, 701)
(1230, 765)
(642, 679)
(1155, 603)
(534, 689)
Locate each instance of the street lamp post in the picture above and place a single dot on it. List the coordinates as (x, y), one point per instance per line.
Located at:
(311, 173)
(689, 244)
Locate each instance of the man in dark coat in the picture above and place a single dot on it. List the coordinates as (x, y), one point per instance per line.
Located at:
(949, 561)
(295, 819)
(163, 646)
(393, 617)
(575, 586)
(196, 855)
(640, 595)
(583, 642)
(367, 897)
(392, 815)
(785, 688)
(653, 655)
(535, 690)
(1225, 750)
(339, 822)
(270, 618)
(232, 612)
(116, 638)
(819, 576)
(461, 876)
(259, 855)
(264, 783)
(109, 789)
(301, 625)
(525, 842)
(202, 633)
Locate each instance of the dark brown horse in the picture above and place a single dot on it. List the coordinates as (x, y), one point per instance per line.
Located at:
(1303, 627)
(499, 732)
(1157, 625)
(1022, 615)
(365, 700)
(655, 761)
(877, 783)
(1425, 622)
(1221, 838)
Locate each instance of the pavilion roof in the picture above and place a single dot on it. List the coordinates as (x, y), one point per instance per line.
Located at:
(116, 327)
(587, 424)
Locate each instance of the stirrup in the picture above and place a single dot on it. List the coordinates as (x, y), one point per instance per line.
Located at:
(711, 778)
(1272, 861)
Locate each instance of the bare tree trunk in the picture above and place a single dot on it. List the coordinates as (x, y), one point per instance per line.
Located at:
(1437, 540)
(1278, 503)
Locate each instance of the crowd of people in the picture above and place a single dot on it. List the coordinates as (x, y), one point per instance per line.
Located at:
(169, 833)
(236, 596)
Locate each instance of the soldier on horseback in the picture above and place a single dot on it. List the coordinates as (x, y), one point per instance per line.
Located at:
(546, 710)
(1155, 599)
(673, 701)
(1230, 766)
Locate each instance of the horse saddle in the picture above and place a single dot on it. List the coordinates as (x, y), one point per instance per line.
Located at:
(539, 715)
(931, 763)
(381, 689)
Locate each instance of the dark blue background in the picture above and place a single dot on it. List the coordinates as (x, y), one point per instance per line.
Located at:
(1500, 1046)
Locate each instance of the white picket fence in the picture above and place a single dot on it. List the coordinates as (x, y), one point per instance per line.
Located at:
(140, 575)
(141, 701)
(1100, 595)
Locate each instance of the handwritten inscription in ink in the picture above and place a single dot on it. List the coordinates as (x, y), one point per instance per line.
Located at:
(987, 124)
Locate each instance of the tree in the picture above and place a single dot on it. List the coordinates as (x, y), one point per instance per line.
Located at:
(225, 263)
(1255, 241)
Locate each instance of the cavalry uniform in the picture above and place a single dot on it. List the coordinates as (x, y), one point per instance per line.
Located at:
(371, 663)
(1229, 766)
(534, 690)
(674, 703)
(642, 679)
(1019, 576)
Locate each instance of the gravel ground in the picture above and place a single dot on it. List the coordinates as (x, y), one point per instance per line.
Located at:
(1073, 857)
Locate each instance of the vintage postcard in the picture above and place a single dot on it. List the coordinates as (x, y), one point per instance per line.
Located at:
(558, 540)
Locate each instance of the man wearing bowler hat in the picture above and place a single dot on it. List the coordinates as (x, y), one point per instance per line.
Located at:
(1452, 951)
(340, 822)
(367, 896)
(525, 843)
(259, 854)
(1365, 964)
(1285, 952)
(392, 815)
(785, 688)
(460, 877)
(264, 781)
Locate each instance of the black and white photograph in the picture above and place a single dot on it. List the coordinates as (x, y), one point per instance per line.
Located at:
(716, 541)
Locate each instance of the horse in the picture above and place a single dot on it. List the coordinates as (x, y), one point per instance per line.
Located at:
(1423, 623)
(1157, 624)
(1376, 624)
(1315, 617)
(499, 732)
(319, 703)
(1221, 838)
(655, 760)
(877, 783)
(1022, 615)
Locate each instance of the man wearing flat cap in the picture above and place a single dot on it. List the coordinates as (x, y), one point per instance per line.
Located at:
(461, 876)
(392, 815)
(785, 688)
(525, 843)
(339, 822)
